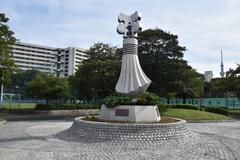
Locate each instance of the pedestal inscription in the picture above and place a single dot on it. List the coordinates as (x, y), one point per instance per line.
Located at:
(122, 112)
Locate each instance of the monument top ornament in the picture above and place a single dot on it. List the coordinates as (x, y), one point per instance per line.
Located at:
(132, 80)
(129, 26)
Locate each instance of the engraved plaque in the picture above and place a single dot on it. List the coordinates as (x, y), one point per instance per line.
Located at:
(122, 112)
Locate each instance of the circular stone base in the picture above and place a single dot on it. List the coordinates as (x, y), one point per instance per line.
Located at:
(89, 131)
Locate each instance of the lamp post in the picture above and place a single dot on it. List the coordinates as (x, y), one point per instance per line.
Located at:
(1, 97)
(233, 102)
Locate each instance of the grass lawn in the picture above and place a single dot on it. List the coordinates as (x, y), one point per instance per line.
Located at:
(19, 105)
(189, 114)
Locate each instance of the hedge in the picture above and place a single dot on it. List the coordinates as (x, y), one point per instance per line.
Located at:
(146, 98)
(216, 110)
(162, 108)
(184, 106)
(66, 106)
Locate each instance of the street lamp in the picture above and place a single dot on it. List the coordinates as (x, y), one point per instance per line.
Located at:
(1, 98)
(233, 102)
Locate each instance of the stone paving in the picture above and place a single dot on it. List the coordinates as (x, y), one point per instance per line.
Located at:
(37, 140)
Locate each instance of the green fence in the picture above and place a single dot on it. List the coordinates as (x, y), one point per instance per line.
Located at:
(17, 101)
(230, 102)
(11, 100)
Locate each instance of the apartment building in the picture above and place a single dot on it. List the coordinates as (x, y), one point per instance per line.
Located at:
(208, 75)
(61, 62)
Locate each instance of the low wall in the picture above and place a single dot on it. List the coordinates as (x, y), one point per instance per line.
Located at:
(89, 131)
(2, 122)
(12, 115)
(79, 112)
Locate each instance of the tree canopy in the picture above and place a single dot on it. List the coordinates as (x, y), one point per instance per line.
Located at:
(233, 80)
(44, 86)
(97, 76)
(20, 81)
(220, 87)
(161, 58)
(7, 39)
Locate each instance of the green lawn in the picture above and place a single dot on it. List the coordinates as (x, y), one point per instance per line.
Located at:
(189, 114)
(18, 105)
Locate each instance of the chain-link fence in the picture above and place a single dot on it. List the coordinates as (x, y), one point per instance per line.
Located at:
(229, 102)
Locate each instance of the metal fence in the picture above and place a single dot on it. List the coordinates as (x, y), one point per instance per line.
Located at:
(17, 101)
(14, 100)
(230, 102)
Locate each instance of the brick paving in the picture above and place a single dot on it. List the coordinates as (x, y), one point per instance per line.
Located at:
(37, 140)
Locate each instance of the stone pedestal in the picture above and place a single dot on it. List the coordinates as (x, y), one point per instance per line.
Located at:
(130, 113)
(129, 134)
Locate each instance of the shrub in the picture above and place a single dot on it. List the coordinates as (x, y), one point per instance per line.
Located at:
(66, 106)
(162, 108)
(146, 98)
(112, 101)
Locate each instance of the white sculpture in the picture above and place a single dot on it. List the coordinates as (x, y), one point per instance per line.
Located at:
(132, 80)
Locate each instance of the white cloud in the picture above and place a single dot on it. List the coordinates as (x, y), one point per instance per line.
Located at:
(204, 27)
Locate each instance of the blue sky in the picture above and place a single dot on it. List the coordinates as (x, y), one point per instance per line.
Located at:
(205, 27)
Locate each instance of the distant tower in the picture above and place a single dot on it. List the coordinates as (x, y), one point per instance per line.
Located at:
(222, 67)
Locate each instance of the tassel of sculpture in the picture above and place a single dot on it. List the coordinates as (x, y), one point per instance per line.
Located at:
(132, 79)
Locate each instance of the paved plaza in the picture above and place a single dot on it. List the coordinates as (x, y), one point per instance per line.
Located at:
(33, 140)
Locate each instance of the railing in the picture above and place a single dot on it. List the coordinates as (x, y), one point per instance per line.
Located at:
(229, 102)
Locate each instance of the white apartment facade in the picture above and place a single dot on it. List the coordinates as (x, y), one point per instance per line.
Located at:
(61, 62)
(208, 75)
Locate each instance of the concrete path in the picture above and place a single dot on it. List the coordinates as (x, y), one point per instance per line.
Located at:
(33, 140)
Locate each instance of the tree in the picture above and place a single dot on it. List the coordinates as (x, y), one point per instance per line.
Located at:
(101, 51)
(207, 88)
(20, 81)
(234, 73)
(48, 87)
(220, 87)
(195, 83)
(233, 80)
(97, 76)
(161, 58)
(7, 66)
